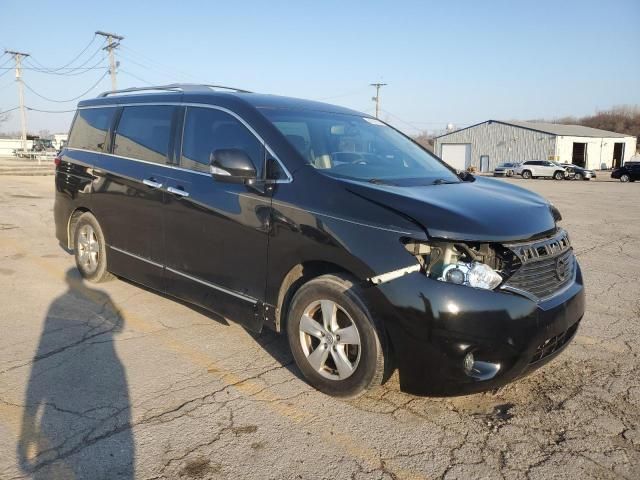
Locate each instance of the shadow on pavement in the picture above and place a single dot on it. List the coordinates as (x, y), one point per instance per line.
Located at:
(76, 421)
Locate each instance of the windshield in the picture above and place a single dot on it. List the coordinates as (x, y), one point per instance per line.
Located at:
(358, 148)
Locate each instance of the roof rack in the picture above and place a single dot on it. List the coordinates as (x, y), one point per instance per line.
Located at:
(183, 87)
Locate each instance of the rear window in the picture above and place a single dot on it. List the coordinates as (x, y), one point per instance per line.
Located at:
(143, 133)
(89, 131)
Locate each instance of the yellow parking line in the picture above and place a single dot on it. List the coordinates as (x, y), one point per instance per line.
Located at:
(246, 386)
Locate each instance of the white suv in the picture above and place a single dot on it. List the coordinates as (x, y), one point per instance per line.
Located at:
(541, 168)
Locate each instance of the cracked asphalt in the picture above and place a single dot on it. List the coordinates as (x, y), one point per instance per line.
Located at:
(117, 382)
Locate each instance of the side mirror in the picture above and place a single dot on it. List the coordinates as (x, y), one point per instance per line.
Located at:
(232, 165)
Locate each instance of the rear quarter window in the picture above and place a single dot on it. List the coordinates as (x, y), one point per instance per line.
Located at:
(89, 130)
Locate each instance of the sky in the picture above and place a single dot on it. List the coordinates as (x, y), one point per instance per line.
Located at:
(458, 62)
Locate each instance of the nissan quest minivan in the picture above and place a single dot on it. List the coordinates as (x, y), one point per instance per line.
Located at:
(324, 224)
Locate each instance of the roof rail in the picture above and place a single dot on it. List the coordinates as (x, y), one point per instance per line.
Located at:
(183, 87)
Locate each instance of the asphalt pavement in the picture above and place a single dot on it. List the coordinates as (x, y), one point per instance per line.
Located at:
(113, 381)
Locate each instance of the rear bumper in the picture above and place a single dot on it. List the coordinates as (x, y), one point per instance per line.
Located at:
(433, 326)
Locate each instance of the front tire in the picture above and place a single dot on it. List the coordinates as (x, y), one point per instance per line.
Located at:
(526, 175)
(90, 249)
(578, 176)
(558, 175)
(333, 339)
(624, 178)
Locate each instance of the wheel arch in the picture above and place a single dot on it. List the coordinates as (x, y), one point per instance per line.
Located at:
(297, 276)
(302, 273)
(71, 223)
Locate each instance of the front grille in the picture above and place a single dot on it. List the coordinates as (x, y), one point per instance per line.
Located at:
(545, 267)
(553, 344)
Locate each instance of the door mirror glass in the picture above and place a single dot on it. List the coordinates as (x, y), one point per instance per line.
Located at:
(232, 165)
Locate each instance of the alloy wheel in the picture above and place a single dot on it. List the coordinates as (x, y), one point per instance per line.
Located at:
(624, 178)
(88, 248)
(330, 340)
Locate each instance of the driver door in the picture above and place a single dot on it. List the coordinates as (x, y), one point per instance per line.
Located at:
(216, 233)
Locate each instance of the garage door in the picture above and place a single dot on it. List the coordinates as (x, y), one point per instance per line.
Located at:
(457, 155)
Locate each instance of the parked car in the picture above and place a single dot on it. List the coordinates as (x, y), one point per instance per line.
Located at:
(505, 169)
(324, 224)
(629, 172)
(575, 172)
(42, 145)
(541, 168)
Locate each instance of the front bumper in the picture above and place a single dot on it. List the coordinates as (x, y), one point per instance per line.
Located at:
(432, 326)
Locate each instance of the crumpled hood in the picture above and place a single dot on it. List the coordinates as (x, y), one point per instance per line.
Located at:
(483, 210)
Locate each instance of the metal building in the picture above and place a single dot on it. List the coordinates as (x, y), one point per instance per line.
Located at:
(488, 144)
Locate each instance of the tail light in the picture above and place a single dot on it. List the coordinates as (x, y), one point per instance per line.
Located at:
(57, 161)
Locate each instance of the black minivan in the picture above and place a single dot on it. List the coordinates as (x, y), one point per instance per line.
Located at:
(324, 223)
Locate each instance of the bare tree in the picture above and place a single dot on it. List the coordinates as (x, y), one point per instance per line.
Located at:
(620, 119)
(425, 139)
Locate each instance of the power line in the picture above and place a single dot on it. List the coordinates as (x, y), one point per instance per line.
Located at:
(136, 77)
(51, 70)
(70, 99)
(401, 120)
(10, 110)
(49, 111)
(39, 70)
(7, 62)
(11, 82)
(163, 68)
(146, 67)
(78, 70)
(73, 73)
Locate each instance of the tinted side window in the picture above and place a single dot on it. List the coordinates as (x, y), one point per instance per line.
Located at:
(207, 130)
(89, 130)
(143, 133)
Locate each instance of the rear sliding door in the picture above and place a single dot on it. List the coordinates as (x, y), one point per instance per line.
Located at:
(128, 198)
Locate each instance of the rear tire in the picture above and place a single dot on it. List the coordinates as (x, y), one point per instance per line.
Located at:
(90, 249)
(333, 339)
(578, 176)
(526, 174)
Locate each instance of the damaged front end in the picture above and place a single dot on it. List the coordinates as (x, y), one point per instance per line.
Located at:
(534, 269)
(471, 316)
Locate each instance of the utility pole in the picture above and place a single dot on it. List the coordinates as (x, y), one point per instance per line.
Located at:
(377, 97)
(17, 57)
(113, 42)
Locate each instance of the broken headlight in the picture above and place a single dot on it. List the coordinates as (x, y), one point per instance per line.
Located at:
(477, 275)
(474, 265)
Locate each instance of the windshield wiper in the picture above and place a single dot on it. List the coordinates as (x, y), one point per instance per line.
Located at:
(376, 181)
(442, 181)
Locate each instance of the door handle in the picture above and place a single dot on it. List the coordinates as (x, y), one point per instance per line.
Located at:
(150, 182)
(178, 191)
